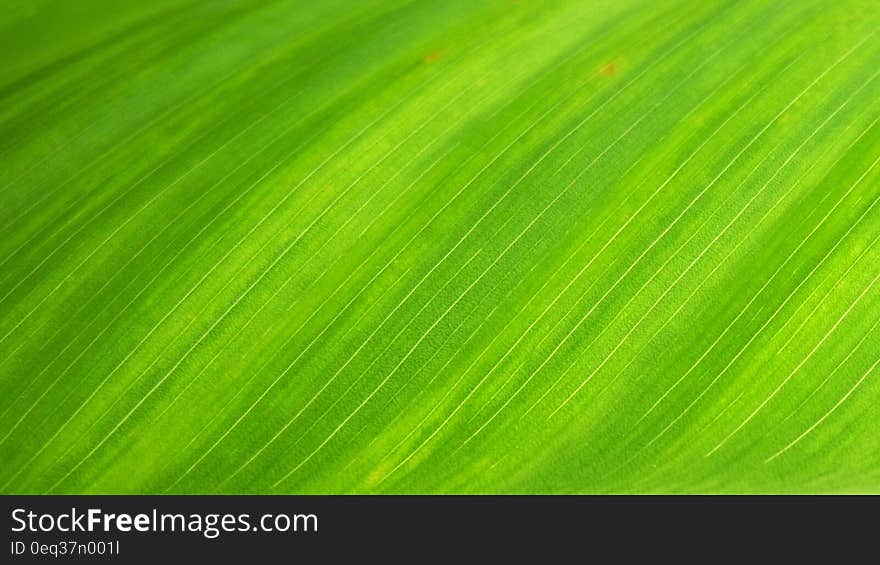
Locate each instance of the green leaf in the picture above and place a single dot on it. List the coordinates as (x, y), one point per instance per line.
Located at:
(600, 246)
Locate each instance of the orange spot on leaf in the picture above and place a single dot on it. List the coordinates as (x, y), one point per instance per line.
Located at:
(608, 70)
(432, 56)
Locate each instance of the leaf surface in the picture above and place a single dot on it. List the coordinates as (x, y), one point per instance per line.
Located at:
(419, 247)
